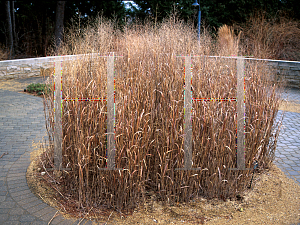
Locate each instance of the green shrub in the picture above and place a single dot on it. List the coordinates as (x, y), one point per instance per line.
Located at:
(38, 88)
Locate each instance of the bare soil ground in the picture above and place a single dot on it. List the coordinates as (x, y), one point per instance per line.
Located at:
(273, 199)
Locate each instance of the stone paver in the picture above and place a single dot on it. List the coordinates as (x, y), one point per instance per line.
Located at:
(287, 155)
(22, 121)
(291, 94)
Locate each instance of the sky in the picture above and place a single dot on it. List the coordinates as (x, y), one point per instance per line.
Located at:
(127, 5)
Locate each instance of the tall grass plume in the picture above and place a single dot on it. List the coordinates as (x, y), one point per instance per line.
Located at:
(149, 129)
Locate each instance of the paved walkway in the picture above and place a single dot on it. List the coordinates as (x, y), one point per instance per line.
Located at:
(288, 147)
(22, 122)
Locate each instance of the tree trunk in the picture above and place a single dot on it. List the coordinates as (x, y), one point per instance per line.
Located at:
(59, 23)
(15, 39)
(44, 34)
(9, 30)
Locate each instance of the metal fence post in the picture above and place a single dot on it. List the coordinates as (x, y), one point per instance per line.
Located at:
(57, 116)
(110, 113)
(241, 123)
(240, 114)
(188, 114)
(188, 132)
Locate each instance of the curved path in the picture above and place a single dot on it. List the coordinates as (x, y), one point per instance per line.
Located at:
(287, 154)
(22, 122)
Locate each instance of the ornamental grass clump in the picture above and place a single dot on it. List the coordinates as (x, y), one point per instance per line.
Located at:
(149, 119)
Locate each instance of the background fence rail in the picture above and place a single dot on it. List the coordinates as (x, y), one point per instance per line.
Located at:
(22, 68)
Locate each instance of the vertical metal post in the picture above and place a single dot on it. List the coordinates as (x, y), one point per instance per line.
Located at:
(187, 142)
(188, 114)
(188, 132)
(240, 114)
(57, 116)
(110, 113)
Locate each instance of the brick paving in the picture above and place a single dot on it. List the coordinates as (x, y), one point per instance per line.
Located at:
(291, 94)
(287, 155)
(22, 122)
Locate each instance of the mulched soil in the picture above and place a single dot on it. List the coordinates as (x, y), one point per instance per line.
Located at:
(273, 199)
